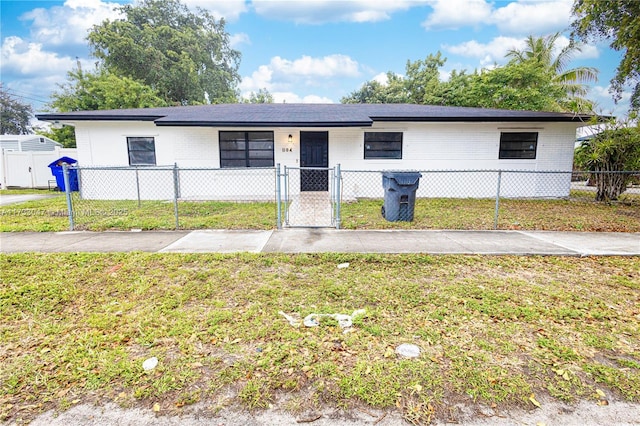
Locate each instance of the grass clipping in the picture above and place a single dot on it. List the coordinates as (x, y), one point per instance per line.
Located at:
(504, 331)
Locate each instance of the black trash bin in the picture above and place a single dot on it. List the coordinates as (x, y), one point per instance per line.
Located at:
(58, 173)
(399, 195)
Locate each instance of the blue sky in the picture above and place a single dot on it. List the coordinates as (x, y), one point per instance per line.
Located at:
(306, 51)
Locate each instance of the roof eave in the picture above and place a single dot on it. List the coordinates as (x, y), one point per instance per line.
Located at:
(264, 124)
(576, 119)
(79, 117)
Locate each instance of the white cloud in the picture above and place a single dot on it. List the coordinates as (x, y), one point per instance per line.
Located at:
(540, 17)
(236, 40)
(587, 51)
(68, 24)
(228, 9)
(322, 11)
(454, 14)
(292, 98)
(487, 53)
(517, 18)
(29, 59)
(381, 78)
(281, 73)
(495, 50)
(307, 66)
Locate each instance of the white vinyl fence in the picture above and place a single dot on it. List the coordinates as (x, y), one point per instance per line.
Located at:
(29, 169)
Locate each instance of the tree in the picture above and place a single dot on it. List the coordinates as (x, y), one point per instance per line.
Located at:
(88, 91)
(263, 96)
(518, 86)
(15, 117)
(540, 51)
(421, 85)
(609, 152)
(65, 135)
(617, 21)
(186, 57)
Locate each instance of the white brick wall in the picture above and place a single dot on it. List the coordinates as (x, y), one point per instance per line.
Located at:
(426, 146)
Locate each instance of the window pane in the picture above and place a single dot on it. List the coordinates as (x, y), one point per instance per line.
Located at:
(233, 145)
(518, 145)
(232, 136)
(231, 155)
(142, 151)
(246, 149)
(260, 154)
(383, 136)
(260, 144)
(261, 163)
(233, 163)
(387, 145)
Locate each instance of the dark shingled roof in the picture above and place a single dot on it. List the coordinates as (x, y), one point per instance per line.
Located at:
(308, 115)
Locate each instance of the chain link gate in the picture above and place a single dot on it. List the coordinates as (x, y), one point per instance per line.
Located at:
(310, 197)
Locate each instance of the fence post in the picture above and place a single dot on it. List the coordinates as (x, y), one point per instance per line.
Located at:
(286, 195)
(495, 216)
(138, 185)
(176, 190)
(338, 181)
(67, 191)
(278, 196)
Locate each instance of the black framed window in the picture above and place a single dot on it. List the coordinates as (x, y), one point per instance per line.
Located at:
(142, 151)
(518, 145)
(246, 149)
(384, 145)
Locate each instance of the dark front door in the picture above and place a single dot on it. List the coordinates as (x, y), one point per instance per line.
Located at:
(314, 152)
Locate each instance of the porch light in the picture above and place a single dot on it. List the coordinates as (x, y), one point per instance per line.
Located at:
(290, 139)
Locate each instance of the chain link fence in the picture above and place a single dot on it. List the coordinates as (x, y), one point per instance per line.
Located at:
(496, 199)
(170, 197)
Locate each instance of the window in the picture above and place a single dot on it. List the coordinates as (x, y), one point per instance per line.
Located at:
(518, 145)
(246, 149)
(142, 151)
(385, 145)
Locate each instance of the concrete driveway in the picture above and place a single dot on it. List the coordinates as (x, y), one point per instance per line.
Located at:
(7, 199)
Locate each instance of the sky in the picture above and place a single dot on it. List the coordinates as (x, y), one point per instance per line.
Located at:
(306, 50)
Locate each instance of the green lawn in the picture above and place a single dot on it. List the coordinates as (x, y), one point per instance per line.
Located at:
(508, 331)
(577, 214)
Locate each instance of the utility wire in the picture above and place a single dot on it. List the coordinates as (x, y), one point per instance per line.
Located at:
(16, 93)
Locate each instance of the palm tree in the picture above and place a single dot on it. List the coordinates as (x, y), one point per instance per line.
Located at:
(572, 81)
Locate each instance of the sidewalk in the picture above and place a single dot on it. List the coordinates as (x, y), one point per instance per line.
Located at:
(316, 240)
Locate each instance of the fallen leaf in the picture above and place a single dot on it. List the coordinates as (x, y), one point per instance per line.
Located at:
(63, 392)
(156, 407)
(535, 402)
(603, 402)
(75, 401)
(600, 393)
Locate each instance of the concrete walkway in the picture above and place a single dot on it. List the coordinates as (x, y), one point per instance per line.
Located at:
(314, 240)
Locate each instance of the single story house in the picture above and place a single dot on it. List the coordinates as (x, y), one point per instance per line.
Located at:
(363, 137)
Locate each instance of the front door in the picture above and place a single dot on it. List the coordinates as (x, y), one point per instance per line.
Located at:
(314, 153)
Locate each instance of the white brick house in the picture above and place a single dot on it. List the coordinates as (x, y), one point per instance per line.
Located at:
(356, 136)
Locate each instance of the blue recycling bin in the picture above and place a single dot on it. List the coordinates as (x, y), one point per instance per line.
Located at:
(399, 195)
(58, 172)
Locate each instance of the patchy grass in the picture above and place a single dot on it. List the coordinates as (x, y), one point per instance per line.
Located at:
(76, 328)
(580, 214)
(576, 214)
